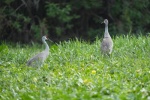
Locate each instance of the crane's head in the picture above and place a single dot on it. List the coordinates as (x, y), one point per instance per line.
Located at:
(44, 38)
(105, 21)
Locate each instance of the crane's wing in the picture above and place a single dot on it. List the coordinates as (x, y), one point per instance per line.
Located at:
(106, 46)
(38, 57)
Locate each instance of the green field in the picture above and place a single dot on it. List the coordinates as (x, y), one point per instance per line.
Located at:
(76, 70)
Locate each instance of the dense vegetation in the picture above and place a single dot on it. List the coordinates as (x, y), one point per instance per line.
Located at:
(75, 70)
(21, 20)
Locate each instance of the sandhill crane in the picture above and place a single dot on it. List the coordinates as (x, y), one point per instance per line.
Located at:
(107, 43)
(38, 59)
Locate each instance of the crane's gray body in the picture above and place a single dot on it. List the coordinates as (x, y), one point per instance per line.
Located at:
(38, 59)
(107, 43)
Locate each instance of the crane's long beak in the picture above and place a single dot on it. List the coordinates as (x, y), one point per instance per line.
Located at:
(49, 40)
(102, 22)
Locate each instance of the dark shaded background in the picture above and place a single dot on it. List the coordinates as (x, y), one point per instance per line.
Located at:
(26, 20)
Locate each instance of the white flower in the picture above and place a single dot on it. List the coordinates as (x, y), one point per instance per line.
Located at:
(148, 98)
(143, 90)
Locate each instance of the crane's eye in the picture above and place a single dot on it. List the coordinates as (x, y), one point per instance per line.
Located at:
(46, 37)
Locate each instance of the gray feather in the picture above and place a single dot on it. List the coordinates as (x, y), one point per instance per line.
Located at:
(107, 43)
(38, 59)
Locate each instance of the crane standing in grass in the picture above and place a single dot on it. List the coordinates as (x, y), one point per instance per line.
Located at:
(38, 59)
(107, 43)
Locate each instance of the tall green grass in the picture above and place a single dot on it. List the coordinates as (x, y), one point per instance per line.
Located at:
(76, 70)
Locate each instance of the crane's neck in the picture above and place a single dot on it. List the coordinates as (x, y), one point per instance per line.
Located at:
(46, 45)
(106, 30)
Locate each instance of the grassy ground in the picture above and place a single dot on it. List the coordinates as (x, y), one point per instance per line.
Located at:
(76, 70)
